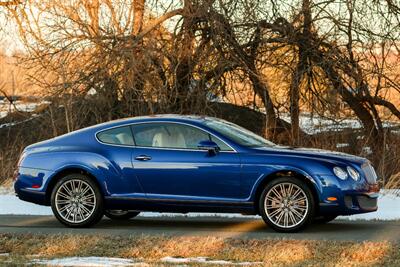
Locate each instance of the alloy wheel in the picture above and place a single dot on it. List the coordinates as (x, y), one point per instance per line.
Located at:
(286, 205)
(75, 201)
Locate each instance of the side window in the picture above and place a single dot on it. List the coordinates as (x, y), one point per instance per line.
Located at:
(222, 145)
(171, 135)
(117, 136)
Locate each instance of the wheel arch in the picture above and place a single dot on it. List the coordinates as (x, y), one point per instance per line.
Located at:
(309, 181)
(66, 171)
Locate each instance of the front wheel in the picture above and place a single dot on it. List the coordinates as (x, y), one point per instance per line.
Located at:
(287, 204)
(120, 214)
(76, 201)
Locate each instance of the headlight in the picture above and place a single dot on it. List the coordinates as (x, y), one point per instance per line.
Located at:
(340, 173)
(353, 173)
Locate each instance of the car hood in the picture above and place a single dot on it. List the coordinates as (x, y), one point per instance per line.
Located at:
(312, 153)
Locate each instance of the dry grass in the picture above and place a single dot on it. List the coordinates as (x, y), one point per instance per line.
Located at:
(289, 252)
(367, 253)
(178, 246)
(394, 182)
(152, 248)
(70, 245)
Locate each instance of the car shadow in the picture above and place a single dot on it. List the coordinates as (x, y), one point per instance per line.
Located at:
(218, 226)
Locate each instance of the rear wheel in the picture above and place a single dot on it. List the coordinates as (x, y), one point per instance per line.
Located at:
(120, 214)
(287, 205)
(76, 201)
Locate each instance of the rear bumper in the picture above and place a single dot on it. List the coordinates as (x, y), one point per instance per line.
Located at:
(30, 195)
(30, 185)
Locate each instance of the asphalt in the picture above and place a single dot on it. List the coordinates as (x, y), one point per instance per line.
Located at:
(339, 230)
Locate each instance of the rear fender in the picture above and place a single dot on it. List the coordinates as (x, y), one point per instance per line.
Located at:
(57, 162)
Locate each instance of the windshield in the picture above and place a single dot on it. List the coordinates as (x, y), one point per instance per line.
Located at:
(238, 134)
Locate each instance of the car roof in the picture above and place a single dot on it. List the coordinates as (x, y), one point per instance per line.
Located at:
(192, 119)
(161, 117)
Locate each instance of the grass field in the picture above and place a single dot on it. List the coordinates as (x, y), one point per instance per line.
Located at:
(25, 249)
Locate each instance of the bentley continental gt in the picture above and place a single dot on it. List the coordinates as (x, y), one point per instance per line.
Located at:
(173, 163)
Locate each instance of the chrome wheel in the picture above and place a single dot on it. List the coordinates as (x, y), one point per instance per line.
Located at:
(286, 205)
(75, 201)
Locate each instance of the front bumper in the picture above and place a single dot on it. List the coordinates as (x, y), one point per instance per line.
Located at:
(352, 197)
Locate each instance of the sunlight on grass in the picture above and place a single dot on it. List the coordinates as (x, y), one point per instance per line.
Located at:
(70, 245)
(289, 252)
(177, 246)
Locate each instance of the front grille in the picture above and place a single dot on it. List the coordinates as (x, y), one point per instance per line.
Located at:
(369, 173)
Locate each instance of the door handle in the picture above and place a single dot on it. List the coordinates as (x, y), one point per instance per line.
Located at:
(143, 158)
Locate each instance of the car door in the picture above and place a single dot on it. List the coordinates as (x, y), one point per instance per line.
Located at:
(117, 146)
(169, 165)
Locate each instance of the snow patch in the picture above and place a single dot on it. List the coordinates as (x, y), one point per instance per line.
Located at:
(11, 204)
(340, 145)
(206, 260)
(89, 261)
(4, 254)
(6, 107)
(5, 190)
(313, 124)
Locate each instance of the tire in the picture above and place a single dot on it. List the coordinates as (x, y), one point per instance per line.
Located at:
(324, 219)
(287, 205)
(73, 209)
(120, 214)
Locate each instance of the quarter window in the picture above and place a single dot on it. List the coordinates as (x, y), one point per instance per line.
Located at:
(172, 135)
(117, 136)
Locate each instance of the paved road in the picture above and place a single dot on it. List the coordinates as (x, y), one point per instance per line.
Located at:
(195, 226)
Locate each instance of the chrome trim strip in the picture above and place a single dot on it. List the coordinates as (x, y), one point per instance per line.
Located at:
(162, 148)
(180, 200)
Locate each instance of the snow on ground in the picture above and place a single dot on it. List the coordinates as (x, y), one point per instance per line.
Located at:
(104, 261)
(389, 203)
(89, 261)
(317, 124)
(5, 107)
(203, 260)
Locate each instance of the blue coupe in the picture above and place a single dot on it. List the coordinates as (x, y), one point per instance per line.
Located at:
(172, 163)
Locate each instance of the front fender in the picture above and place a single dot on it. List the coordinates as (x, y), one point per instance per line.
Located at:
(258, 168)
(270, 171)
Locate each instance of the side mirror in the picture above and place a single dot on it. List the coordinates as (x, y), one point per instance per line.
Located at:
(208, 145)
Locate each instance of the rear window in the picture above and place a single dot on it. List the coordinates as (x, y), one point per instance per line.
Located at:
(117, 136)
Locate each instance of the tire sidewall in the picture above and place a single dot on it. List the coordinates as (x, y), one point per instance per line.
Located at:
(99, 208)
(310, 198)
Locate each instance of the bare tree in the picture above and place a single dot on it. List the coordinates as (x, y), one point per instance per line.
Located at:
(143, 57)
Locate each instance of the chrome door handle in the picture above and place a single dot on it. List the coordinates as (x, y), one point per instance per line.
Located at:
(143, 158)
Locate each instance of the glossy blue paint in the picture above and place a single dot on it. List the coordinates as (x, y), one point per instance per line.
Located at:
(184, 180)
